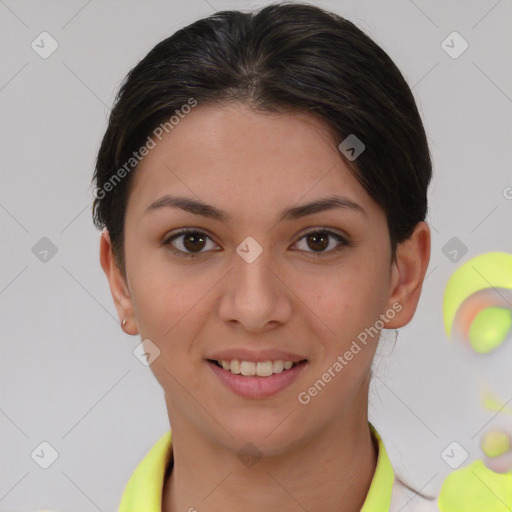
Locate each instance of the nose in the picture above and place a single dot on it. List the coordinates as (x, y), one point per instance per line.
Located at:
(256, 295)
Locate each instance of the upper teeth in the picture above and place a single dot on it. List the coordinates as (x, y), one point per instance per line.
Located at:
(261, 368)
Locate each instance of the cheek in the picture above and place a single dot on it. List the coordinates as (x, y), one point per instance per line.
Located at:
(349, 298)
(164, 296)
(169, 308)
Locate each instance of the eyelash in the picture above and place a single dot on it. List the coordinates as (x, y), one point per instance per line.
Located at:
(342, 242)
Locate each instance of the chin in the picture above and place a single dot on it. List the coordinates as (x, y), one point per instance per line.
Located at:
(268, 434)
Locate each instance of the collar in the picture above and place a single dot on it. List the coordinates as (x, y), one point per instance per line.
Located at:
(144, 488)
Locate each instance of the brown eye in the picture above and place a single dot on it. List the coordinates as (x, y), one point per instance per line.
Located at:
(188, 242)
(318, 241)
(194, 242)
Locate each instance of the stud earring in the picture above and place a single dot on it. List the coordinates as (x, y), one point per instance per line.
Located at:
(123, 323)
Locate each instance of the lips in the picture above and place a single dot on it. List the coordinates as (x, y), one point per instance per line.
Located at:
(256, 374)
(254, 387)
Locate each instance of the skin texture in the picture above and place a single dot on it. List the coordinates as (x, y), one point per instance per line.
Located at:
(293, 297)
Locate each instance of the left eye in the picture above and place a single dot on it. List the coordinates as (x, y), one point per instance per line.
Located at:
(191, 242)
(319, 240)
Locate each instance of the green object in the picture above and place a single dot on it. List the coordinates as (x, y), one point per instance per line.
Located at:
(488, 270)
(489, 329)
(495, 443)
(475, 488)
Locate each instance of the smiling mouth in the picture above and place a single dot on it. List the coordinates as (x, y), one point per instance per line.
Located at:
(256, 369)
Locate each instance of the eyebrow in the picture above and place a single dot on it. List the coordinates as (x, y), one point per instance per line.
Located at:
(296, 212)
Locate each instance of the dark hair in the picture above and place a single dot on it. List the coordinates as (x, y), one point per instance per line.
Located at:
(286, 56)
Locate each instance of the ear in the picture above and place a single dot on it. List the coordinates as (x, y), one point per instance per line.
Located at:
(407, 274)
(118, 286)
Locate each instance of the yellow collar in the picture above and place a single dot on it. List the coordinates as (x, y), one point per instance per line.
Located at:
(144, 489)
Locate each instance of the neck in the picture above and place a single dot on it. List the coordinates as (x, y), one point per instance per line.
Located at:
(330, 471)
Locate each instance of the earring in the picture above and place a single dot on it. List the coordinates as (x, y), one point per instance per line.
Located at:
(123, 323)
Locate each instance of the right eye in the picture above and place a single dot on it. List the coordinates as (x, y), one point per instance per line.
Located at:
(190, 242)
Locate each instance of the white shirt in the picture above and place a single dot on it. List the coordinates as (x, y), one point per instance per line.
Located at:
(405, 500)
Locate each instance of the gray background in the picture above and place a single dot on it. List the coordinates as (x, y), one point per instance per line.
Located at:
(68, 375)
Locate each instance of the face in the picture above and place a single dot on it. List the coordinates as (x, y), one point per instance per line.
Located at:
(251, 283)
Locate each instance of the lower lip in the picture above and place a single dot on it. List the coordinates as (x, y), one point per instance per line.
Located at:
(254, 387)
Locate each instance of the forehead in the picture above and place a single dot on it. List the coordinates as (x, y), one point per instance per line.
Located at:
(233, 155)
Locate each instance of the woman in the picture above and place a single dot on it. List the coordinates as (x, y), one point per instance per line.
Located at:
(262, 189)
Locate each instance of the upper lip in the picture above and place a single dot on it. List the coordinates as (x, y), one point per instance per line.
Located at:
(260, 356)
